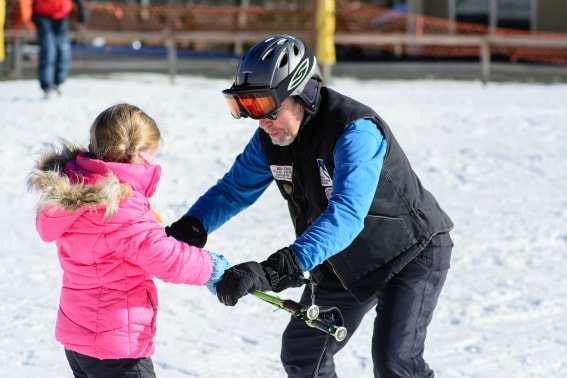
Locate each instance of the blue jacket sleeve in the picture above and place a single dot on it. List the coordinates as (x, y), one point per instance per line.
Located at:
(359, 155)
(240, 187)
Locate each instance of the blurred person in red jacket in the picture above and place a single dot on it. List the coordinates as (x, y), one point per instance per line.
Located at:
(51, 19)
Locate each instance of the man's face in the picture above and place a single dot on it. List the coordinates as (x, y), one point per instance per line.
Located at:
(283, 130)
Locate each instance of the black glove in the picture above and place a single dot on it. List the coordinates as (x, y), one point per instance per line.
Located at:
(284, 270)
(238, 280)
(189, 230)
(280, 271)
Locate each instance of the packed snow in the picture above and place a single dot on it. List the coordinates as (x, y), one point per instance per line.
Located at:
(494, 155)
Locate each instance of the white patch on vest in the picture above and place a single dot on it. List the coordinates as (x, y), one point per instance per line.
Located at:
(282, 172)
(326, 180)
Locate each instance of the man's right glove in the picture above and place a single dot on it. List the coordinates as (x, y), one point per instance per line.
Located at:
(280, 271)
(189, 230)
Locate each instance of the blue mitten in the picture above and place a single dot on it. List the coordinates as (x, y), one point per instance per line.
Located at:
(219, 264)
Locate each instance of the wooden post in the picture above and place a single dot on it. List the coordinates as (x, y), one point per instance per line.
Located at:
(171, 57)
(485, 60)
(18, 58)
(493, 16)
(242, 20)
(533, 16)
(452, 12)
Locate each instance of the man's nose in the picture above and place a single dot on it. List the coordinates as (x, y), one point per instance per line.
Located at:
(264, 123)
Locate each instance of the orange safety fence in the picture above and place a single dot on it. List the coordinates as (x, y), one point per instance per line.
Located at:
(177, 18)
(351, 17)
(363, 18)
(19, 14)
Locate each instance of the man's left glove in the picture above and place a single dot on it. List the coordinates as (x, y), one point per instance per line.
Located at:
(280, 271)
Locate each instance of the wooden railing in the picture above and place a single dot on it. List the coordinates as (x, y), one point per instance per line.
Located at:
(183, 27)
(484, 44)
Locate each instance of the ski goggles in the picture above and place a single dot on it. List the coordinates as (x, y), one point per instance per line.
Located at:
(256, 103)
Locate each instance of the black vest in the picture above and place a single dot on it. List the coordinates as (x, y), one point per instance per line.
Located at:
(403, 216)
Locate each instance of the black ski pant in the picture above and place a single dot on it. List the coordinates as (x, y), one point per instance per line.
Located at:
(404, 308)
(89, 367)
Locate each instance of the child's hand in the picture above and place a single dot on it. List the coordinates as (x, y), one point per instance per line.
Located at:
(219, 264)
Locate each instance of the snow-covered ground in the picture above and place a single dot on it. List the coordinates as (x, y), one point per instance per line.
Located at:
(495, 156)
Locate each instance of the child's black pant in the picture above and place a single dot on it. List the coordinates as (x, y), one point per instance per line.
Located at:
(90, 367)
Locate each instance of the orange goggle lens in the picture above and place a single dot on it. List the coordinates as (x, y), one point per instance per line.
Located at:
(254, 105)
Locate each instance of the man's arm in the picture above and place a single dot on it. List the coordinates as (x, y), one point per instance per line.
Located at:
(240, 187)
(359, 155)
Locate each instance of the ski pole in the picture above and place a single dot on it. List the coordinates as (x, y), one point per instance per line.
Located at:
(310, 315)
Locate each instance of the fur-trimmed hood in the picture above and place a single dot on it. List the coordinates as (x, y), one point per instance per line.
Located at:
(67, 177)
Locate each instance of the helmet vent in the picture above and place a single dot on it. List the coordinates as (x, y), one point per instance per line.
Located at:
(268, 55)
(283, 61)
(295, 50)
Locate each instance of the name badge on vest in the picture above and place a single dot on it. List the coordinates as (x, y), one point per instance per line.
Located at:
(282, 172)
(326, 180)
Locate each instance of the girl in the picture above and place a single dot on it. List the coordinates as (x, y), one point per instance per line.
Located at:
(95, 205)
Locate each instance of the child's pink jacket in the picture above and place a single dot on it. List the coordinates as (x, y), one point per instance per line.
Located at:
(109, 302)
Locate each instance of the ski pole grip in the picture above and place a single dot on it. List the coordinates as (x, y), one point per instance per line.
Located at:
(339, 333)
(292, 306)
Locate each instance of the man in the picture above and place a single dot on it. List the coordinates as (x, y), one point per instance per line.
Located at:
(367, 230)
(51, 19)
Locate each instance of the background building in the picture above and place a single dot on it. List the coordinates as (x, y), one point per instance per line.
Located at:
(533, 15)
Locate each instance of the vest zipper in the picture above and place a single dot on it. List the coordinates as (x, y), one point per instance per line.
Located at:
(337, 274)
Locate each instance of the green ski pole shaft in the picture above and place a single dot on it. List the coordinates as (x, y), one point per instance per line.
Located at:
(267, 297)
(292, 307)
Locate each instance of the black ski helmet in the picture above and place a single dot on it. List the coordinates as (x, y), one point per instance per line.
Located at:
(276, 61)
